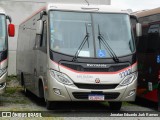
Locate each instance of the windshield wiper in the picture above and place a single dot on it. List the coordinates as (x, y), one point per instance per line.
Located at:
(81, 45)
(106, 45)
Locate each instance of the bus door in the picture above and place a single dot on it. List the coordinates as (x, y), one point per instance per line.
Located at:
(35, 59)
(142, 68)
(152, 62)
(40, 57)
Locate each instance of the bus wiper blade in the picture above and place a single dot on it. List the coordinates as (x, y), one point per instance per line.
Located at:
(81, 45)
(106, 45)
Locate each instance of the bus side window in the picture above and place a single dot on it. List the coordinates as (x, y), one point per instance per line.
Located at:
(142, 43)
(133, 23)
(43, 42)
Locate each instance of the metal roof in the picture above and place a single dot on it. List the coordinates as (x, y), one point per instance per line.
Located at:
(147, 12)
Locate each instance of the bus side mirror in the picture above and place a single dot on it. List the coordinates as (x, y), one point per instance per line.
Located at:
(11, 30)
(9, 18)
(39, 27)
(138, 30)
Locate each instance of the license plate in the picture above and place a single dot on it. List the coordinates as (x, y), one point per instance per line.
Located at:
(96, 97)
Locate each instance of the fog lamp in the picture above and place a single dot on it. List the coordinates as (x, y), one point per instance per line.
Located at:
(57, 91)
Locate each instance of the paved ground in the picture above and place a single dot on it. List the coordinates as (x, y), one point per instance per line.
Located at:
(15, 100)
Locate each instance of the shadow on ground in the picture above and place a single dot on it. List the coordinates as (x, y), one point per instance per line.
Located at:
(90, 107)
(69, 106)
(145, 103)
(33, 98)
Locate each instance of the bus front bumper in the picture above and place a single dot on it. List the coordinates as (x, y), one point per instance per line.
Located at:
(3, 82)
(60, 92)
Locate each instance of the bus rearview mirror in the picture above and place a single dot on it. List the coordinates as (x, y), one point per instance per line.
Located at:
(39, 27)
(11, 30)
(138, 29)
(9, 18)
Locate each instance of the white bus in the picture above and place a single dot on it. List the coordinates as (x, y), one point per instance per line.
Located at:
(4, 47)
(78, 52)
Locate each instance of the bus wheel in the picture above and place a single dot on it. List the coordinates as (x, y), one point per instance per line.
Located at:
(41, 90)
(115, 105)
(23, 84)
(49, 105)
(25, 90)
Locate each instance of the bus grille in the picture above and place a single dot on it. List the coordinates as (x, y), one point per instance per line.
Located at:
(113, 68)
(96, 86)
(84, 95)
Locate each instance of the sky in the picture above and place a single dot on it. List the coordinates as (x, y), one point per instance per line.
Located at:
(136, 5)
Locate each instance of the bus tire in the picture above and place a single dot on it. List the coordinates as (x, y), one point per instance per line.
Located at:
(41, 90)
(49, 105)
(115, 105)
(23, 85)
(25, 90)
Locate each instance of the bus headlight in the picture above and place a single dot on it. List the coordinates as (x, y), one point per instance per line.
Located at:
(2, 71)
(129, 79)
(60, 77)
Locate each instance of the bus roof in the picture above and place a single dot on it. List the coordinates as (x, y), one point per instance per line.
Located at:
(147, 12)
(65, 6)
(85, 2)
(84, 7)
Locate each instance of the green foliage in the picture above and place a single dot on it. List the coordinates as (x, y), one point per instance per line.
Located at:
(11, 77)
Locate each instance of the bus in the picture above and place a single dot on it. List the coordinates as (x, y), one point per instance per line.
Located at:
(4, 32)
(148, 51)
(78, 52)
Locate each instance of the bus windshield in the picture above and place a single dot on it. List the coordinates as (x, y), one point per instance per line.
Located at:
(68, 30)
(2, 33)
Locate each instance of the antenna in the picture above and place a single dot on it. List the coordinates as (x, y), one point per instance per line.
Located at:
(87, 2)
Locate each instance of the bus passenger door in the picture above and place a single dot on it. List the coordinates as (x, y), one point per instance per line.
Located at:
(35, 62)
(152, 64)
(41, 58)
(142, 62)
(141, 47)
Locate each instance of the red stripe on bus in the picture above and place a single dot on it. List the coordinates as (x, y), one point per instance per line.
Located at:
(96, 72)
(3, 60)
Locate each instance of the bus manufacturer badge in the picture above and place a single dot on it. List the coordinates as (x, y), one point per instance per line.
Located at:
(97, 80)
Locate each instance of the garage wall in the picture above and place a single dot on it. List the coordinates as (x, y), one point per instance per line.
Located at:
(19, 10)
